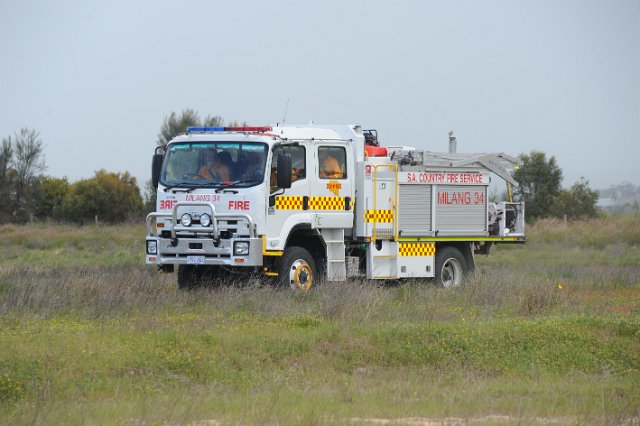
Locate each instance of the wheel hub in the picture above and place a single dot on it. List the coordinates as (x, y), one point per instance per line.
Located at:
(451, 273)
(301, 276)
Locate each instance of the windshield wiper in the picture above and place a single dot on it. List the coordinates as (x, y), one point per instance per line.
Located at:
(167, 188)
(225, 186)
(219, 186)
(189, 186)
(200, 185)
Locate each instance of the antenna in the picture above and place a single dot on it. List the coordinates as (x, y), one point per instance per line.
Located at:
(286, 107)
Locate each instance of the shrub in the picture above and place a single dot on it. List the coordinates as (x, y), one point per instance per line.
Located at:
(49, 193)
(577, 202)
(112, 197)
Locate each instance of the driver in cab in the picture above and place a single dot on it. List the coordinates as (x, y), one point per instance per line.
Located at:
(213, 169)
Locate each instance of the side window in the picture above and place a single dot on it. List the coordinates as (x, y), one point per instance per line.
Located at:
(332, 162)
(298, 163)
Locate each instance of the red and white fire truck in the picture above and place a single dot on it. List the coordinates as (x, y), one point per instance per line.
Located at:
(309, 203)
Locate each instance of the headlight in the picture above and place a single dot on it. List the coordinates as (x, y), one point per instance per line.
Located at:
(205, 219)
(241, 248)
(152, 247)
(185, 220)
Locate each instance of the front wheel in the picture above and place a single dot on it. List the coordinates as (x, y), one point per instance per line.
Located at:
(450, 267)
(297, 270)
(189, 277)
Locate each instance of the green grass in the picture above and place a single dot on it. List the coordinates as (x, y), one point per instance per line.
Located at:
(546, 332)
(58, 245)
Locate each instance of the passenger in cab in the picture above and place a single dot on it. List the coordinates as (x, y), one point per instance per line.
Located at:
(329, 166)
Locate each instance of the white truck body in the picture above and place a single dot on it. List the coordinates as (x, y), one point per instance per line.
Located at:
(385, 215)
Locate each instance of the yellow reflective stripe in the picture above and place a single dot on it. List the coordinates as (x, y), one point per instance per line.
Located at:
(417, 249)
(295, 202)
(381, 216)
(326, 203)
(289, 202)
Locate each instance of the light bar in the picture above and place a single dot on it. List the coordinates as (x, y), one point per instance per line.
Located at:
(204, 129)
(248, 129)
(228, 129)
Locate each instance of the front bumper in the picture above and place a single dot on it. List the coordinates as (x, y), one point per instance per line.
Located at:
(207, 252)
(199, 245)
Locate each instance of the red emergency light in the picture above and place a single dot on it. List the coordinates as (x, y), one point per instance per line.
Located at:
(248, 129)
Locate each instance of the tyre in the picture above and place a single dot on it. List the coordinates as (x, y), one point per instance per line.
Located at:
(297, 270)
(189, 277)
(450, 267)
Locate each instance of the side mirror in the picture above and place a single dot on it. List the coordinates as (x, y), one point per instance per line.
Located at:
(156, 165)
(284, 171)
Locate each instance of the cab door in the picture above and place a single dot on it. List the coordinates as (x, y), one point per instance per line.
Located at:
(332, 188)
(287, 207)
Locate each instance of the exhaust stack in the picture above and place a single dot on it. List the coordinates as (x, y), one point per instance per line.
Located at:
(453, 143)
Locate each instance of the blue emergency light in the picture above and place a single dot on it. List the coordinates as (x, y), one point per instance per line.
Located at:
(204, 129)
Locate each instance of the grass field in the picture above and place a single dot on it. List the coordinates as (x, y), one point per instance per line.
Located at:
(548, 332)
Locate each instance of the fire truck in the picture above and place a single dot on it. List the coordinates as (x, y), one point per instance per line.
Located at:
(304, 204)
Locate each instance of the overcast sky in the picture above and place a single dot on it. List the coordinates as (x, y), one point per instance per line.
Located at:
(97, 78)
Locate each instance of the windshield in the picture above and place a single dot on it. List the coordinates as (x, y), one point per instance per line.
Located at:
(206, 164)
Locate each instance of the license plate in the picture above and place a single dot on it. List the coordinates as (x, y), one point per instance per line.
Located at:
(195, 260)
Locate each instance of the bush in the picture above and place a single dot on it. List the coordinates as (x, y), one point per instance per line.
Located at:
(577, 202)
(112, 197)
(540, 179)
(49, 193)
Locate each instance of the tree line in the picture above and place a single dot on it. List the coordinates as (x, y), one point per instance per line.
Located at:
(540, 180)
(30, 195)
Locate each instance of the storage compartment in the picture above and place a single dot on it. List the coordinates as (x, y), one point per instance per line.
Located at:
(414, 213)
(461, 210)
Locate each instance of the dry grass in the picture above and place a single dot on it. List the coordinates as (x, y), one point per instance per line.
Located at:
(593, 233)
(103, 292)
(543, 331)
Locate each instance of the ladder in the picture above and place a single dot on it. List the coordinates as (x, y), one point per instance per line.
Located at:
(336, 262)
(384, 262)
(394, 203)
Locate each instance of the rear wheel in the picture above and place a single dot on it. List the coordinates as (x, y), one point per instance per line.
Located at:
(297, 270)
(450, 267)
